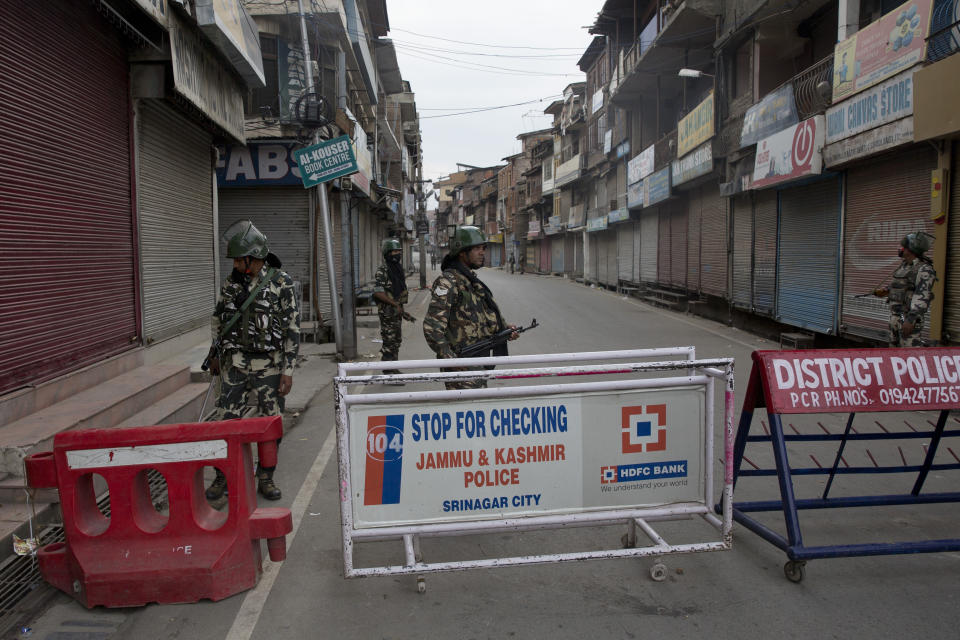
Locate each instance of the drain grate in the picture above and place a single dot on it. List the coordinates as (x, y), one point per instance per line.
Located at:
(20, 575)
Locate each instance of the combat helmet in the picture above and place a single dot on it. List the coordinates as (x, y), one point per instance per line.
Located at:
(388, 245)
(464, 238)
(917, 243)
(244, 239)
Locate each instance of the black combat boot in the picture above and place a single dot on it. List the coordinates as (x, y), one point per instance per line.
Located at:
(219, 487)
(265, 484)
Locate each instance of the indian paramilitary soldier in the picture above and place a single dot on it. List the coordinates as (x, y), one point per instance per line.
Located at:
(911, 291)
(462, 310)
(256, 333)
(390, 294)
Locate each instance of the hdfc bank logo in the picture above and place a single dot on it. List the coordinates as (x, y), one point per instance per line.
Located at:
(639, 432)
(608, 475)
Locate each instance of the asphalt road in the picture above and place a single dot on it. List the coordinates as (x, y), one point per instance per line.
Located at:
(741, 593)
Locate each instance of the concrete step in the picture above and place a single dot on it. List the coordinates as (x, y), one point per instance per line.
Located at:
(183, 405)
(102, 406)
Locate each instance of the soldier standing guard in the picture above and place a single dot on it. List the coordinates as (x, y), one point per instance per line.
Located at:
(462, 310)
(390, 294)
(256, 333)
(911, 291)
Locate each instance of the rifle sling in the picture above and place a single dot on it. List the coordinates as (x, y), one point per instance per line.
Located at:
(271, 272)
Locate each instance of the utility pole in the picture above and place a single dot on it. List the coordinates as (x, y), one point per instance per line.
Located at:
(421, 217)
(322, 195)
(347, 225)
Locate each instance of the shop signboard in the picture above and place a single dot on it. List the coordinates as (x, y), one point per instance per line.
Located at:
(635, 195)
(618, 215)
(869, 142)
(696, 127)
(597, 224)
(777, 111)
(323, 162)
(895, 42)
(656, 187)
(257, 165)
(792, 153)
(698, 162)
(883, 103)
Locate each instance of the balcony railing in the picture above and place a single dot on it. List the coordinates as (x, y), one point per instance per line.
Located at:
(812, 88)
(944, 37)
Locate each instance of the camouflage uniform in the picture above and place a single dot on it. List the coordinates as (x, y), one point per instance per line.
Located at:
(911, 293)
(260, 347)
(458, 316)
(390, 319)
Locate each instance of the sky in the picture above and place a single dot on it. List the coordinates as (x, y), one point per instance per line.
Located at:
(434, 41)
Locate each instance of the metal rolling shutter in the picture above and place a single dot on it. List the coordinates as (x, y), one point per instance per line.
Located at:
(694, 240)
(600, 242)
(886, 200)
(742, 251)
(649, 239)
(764, 251)
(556, 248)
(951, 306)
(679, 232)
(713, 243)
(635, 269)
(282, 214)
(625, 258)
(807, 284)
(175, 210)
(665, 248)
(66, 223)
(610, 239)
(546, 253)
(574, 259)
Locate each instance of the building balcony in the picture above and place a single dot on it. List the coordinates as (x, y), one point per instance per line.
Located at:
(812, 88)
(570, 170)
(679, 28)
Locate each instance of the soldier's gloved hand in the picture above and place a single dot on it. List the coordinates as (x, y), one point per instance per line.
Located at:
(906, 328)
(214, 366)
(286, 383)
(514, 335)
(881, 292)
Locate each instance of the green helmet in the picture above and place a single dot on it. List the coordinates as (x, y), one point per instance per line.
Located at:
(917, 243)
(390, 244)
(244, 239)
(464, 238)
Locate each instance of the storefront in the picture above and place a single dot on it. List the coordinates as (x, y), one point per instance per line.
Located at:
(70, 262)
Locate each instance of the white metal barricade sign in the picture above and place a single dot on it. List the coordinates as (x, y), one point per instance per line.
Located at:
(632, 448)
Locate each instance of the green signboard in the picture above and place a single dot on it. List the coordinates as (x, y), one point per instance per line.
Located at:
(323, 162)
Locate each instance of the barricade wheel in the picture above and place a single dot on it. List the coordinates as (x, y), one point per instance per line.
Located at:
(658, 572)
(794, 570)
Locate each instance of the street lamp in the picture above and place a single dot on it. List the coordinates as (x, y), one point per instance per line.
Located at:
(692, 73)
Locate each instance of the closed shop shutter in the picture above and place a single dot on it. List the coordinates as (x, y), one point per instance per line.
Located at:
(694, 239)
(713, 243)
(635, 270)
(67, 261)
(764, 251)
(603, 250)
(807, 283)
(546, 255)
(556, 249)
(282, 214)
(175, 207)
(664, 263)
(742, 212)
(951, 306)
(625, 257)
(649, 241)
(575, 257)
(610, 240)
(886, 199)
(679, 232)
(493, 255)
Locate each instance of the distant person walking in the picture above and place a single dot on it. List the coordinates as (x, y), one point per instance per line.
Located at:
(911, 291)
(512, 262)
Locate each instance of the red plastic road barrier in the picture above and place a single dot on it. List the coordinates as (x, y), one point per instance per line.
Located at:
(136, 555)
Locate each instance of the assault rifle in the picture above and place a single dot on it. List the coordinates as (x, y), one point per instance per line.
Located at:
(483, 347)
(214, 353)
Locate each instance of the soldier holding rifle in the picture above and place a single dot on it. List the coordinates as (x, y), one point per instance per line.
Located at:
(911, 291)
(462, 310)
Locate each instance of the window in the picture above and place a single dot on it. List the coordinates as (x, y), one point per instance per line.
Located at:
(743, 69)
(268, 96)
